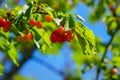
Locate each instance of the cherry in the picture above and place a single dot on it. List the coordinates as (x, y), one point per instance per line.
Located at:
(61, 35)
(61, 30)
(70, 35)
(7, 26)
(53, 37)
(57, 35)
(27, 37)
(19, 38)
(39, 24)
(32, 22)
(48, 18)
(2, 22)
(114, 71)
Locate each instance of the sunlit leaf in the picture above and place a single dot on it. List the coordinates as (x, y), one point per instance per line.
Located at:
(71, 22)
(85, 38)
(118, 10)
(12, 53)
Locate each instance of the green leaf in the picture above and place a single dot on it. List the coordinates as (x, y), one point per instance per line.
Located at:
(12, 53)
(118, 10)
(4, 35)
(85, 38)
(37, 33)
(10, 49)
(48, 10)
(71, 22)
(1, 69)
(29, 10)
(18, 18)
(49, 50)
(116, 61)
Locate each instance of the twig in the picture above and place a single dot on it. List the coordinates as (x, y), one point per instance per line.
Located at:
(102, 59)
(41, 12)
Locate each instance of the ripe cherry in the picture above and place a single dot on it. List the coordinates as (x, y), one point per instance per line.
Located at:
(70, 35)
(32, 22)
(61, 35)
(27, 37)
(48, 18)
(7, 26)
(53, 37)
(57, 35)
(2, 22)
(39, 24)
(114, 71)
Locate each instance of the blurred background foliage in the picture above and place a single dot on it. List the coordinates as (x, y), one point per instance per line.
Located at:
(107, 11)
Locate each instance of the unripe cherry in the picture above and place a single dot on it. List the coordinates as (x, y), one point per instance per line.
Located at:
(114, 70)
(19, 38)
(48, 18)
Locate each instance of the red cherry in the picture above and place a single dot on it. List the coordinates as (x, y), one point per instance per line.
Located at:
(7, 26)
(39, 24)
(32, 22)
(48, 18)
(60, 39)
(70, 35)
(27, 37)
(53, 37)
(61, 35)
(2, 22)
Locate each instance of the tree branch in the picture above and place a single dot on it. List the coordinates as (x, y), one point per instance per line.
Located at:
(105, 52)
(40, 61)
(15, 69)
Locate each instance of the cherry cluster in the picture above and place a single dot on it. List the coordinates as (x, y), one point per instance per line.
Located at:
(60, 35)
(35, 23)
(26, 38)
(6, 25)
(39, 24)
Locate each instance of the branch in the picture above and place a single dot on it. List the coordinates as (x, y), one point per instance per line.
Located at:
(40, 12)
(102, 59)
(40, 61)
(15, 69)
(107, 46)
